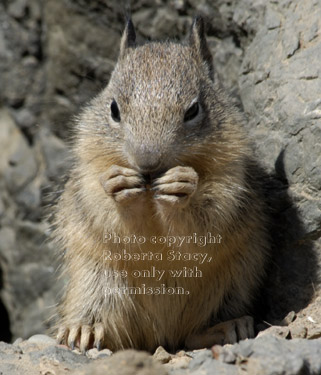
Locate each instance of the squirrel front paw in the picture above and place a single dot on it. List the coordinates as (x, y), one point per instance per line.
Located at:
(176, 186)
(82, 336)
(228, 332)
(122, 184)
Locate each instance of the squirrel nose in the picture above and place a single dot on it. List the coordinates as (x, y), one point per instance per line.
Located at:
(149, 167)
(147, 159)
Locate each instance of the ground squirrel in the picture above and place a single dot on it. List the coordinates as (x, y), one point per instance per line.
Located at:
(162, 165)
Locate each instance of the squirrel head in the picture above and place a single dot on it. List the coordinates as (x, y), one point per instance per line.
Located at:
(160, 106)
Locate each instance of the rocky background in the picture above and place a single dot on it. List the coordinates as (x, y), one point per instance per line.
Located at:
(55, 55)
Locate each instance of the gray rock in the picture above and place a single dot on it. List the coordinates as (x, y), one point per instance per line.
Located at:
(9, 350)
(29, 199)
(264, 355)
(42, 339)
(125, 362)
(10, 368)
(25, 118)
(167, 24)
(18, 341)
(18, 8)
(72, 77)
(30, 358)
(277, 331)
(22, 167)
(280, 95)
(199, 358)
(56, 155)
(204, 363)
(59, 354)
(29, 270)
(271, 355)
(19, 165)
(95, 354)
(7, 244)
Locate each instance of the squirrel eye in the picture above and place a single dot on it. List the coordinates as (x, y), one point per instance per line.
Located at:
(192, 112)
(115, 114)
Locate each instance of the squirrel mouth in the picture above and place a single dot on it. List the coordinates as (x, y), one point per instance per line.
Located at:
(150, 177)
(147, 179)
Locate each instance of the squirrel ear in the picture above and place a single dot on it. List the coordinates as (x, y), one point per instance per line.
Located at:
(198, 43)
(128, 38)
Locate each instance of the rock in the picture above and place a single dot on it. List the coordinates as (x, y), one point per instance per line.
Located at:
(8, 350)
(59, 354)
(19, 166)
(276, 331)
(178, 363)
(166, 23)
(289, 318)
(299, 333)
(272, 355)
(203, 363)
(18, 341)
(181, 353)
(42, 339)
(199, 358)
(279, 94)
(125, 362)
(225, 356)
(161, 355)
(172, 362)
(308, 323)
(22, 167)
(95, 354)
(18, 8)
(56, 155)
(264, 355)
(314, 333)
(37, 357)
(25, 118)
(29, 271)
(72, 77)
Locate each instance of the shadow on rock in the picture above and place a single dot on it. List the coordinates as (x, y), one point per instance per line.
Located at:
(292, 277)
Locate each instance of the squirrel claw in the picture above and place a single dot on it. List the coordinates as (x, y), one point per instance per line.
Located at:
(85, 338)
(62, 331)
(73, 336)
(99, 336)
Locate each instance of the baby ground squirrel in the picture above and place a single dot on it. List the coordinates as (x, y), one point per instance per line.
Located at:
(160, 154)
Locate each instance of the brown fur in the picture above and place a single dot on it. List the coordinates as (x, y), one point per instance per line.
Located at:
(154, 85)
